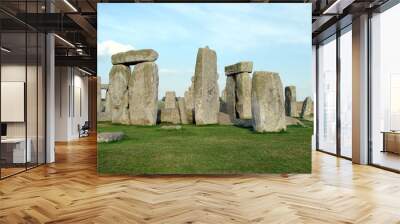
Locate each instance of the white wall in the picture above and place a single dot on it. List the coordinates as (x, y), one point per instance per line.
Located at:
(70, 83)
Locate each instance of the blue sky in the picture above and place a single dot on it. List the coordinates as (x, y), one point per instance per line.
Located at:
(276, 37)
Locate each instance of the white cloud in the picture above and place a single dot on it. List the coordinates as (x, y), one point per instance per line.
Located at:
(110, 47)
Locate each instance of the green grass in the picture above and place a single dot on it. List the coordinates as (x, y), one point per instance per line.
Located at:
(208, 149)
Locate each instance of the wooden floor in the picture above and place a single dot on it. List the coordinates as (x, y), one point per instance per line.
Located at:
(70, 191)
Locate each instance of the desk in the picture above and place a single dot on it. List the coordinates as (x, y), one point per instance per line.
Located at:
(391, 141)
(17, 150)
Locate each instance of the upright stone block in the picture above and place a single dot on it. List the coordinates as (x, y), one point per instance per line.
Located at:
(267, 102)
(243, 94)
(118, 89)
(230, 91)
(244, 66)
(206, 92)
(143, 94)
(134, 57)
(183, 111)
(307, 109)
(170, 100)
(290, 101)
(170, 112)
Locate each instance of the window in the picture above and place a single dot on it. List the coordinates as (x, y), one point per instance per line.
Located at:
(327, 96)
(346, 93)
(385, 89)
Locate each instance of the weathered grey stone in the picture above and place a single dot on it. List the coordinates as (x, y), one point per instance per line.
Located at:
(244, 123)
(170, 115)
(170, 100)
(143, 94)
(290, 101)
(206, 92)
(189, 98)
(105, 109)
(293, 121)
(267, 102)
(223, 95)
(118, 89)
(224, 119)
(134, 57)
(230, 89)
(170, 111)
(307, 110)
(189, 103)
(297, 108)
(183, 112)
(109, 136)
(243, 95)
(244, 66)
(104, 104)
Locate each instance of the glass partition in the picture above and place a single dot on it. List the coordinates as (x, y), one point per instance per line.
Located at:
(15, 152)
(22, 88)
(346, 93)
(385, 89)
(327, 96)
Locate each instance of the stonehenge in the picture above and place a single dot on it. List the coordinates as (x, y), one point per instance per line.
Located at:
(119, 79)
(183, 112)
(307, 110)
(290, 101)
(134, 95)
(143, 94)
(206, 93)
(134, 57)
(104, 102)
(267, 102)
(250, 99)
(238, 90)
(170, 112)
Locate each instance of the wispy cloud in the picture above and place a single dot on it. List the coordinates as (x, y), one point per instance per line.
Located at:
(110, 47)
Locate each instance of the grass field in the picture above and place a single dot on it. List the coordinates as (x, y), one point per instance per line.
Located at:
(205, 150)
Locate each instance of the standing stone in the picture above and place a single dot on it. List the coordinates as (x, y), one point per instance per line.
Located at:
(267, 102)
(297, 109)
(143, 94)
(290, 101)
(170, 112)
(106, 116)
(134, 57)
(243, 93)
(183, 111)
(104, 113)
(170, 100)
(222, 102)
(231, 97)
(189, 104)
(307, 109)
(206, 92)
(118, 89)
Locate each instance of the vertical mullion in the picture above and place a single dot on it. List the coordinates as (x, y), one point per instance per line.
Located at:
(369, 90)
(45, 87)
(37, 89)
(317, 97)
(338, 76)
(26, 86)
(0, 92)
